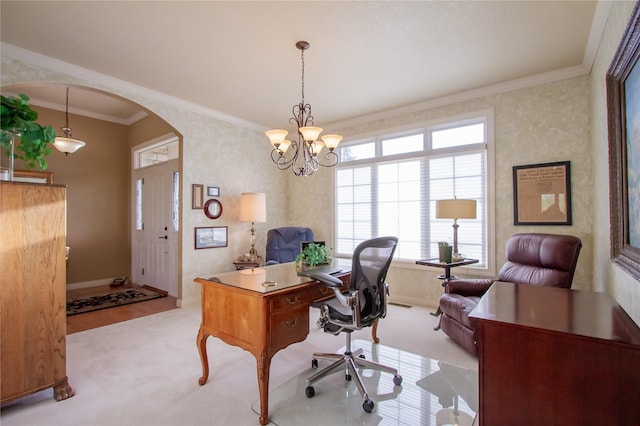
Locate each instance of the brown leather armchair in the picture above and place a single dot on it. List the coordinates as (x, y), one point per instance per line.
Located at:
(537, 259)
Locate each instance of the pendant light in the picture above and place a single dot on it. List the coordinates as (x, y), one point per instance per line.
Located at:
(66, 143)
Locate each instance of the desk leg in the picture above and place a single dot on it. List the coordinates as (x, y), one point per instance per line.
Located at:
(201, 343)
(264, 364)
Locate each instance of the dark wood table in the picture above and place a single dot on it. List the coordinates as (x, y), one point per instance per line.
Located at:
(435, 262)
(551, 355)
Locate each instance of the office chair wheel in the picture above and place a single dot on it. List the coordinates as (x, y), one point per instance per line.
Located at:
(310, 391)
(368, 405)
(397, 380)
(314, 363)
(361, 356)
(347, 377)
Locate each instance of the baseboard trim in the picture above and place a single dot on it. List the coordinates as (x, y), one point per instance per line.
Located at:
(87, 284)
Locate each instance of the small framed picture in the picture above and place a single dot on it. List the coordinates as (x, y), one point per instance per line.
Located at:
(197, 196)
(210, 237)
(213, 191)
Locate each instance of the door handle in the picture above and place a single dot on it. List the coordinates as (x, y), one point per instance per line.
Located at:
(165, 237)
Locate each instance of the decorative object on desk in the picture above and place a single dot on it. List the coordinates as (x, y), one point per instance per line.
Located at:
(19, 124)
(444, 252)
(253, 208)
(456, 209)
(66, 144)
(542, 194)
(305, 152)
(312, 255)
(623, 94)
(210, 237)
(213, 191)
(252, 277)
(197, 196)
(213, 208)
(110, 300)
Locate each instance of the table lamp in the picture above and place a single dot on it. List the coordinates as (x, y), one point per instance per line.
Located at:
(455, 209)
(253, 208)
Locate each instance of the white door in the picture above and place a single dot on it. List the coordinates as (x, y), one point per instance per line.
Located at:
(155, 234)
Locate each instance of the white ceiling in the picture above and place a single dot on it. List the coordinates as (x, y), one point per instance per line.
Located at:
(239, 58)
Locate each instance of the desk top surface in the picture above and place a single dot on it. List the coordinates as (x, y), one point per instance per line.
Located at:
(585, 313)
(273, 277)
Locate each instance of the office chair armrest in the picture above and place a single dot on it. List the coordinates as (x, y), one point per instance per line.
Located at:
(326, 279)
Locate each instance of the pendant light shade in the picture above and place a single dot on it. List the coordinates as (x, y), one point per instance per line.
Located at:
(66, 143)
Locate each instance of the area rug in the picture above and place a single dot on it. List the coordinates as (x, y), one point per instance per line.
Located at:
(432, 393)
(80, 305)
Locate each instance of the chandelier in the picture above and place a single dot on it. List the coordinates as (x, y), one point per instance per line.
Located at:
(66, 143)
(303, 156)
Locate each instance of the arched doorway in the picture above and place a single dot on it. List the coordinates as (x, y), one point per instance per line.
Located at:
(98, 176)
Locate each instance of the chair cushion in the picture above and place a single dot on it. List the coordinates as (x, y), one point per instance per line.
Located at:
(458, 307)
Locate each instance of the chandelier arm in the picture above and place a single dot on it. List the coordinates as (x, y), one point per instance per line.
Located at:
(332, 159)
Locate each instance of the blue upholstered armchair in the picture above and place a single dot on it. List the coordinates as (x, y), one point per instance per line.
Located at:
(283, 244)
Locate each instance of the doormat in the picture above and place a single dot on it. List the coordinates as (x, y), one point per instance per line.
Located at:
(80, 305)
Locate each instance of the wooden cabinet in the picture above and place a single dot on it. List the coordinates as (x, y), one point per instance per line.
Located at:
(556, 356)
(33, 290)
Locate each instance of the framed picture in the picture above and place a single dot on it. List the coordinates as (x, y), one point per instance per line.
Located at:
(197, 196)
(213, 191)
(623, 111)
(542, 194)
(210, 237)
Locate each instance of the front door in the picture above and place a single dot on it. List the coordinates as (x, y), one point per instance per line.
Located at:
(155, 234)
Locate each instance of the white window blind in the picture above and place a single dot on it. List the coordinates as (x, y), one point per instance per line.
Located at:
(389, 184)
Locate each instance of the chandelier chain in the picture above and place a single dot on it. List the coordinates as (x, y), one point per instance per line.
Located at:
(302, 73)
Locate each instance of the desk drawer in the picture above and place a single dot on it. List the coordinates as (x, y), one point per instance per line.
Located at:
(321, 291)
(291, 301)
(289, 327)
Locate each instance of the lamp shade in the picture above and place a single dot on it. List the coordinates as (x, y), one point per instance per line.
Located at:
(253, 207)
(456, 209)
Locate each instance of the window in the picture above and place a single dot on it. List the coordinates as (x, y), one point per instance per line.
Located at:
(165, 149)
(139, 183)
(388, 184)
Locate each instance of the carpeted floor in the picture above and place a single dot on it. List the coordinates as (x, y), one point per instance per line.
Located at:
(110, 299)
(145, 371)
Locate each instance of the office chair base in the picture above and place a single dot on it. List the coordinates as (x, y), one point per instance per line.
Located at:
(351, 361)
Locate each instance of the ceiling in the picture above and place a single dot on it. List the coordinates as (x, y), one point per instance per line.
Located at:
(239, 58)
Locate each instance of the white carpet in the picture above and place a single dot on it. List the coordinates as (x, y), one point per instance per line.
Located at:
(145, 371)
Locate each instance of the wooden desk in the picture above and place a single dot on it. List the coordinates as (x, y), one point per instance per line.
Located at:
(242, 312)
(551, 355)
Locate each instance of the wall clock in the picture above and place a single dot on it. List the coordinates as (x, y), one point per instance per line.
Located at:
(213, 208)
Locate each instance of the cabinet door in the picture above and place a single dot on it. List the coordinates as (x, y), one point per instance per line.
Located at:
(33, 290)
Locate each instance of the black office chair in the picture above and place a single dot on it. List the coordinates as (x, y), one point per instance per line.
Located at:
(361, 306)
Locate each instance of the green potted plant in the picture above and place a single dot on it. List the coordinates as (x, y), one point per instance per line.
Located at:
(18, 122)
(311, 256)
